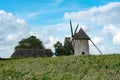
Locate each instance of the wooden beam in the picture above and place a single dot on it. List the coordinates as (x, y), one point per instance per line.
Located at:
(96, 47)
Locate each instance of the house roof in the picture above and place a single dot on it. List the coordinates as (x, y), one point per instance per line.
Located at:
(81, 35)
(32, 53)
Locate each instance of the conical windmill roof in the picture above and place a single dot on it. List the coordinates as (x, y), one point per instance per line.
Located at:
(81, 35)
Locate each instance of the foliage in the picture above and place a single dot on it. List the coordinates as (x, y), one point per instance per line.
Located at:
(69, 49)
(59, 49)
(66, 49)
(104, 67)
(30, 43)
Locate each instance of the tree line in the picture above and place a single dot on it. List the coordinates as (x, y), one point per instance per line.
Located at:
(33, 42)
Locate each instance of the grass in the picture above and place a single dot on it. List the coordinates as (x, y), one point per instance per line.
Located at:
(104, 67)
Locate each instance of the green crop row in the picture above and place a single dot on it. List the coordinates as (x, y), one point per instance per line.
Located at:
(103, 67)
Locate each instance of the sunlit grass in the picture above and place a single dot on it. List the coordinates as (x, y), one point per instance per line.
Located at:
(105, 67)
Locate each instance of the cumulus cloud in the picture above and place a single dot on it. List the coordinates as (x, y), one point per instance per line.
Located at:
(105, 19)
(110, 29)
(52, 41)
(113, 31)
(116, 39)
(97, 40)
(50, 34)
(47, 39)
(102, 15)
(10, 38)
(12, 29)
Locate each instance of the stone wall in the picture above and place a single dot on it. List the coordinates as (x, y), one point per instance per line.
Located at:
(81, 47)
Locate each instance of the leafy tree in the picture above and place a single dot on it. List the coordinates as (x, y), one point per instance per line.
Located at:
(66, 49)
(69, 49)
(59, 49)
(30, 43)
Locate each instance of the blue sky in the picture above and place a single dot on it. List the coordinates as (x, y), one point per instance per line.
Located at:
(49, 21)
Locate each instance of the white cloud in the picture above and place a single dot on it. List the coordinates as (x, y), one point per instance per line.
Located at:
(20, 21)
(105, 19)
(102, 15)
(12, 29)
(47, 39)
(50, 34)
(97, 40)
(116, 39)
(113, 31)
(51, 43)
(110, 29)
(109, 7)
(10, 38)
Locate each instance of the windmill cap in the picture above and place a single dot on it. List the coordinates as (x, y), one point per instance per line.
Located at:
(81, 35)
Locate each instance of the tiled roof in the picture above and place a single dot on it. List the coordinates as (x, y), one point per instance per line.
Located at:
(81, 35)
(32, 53)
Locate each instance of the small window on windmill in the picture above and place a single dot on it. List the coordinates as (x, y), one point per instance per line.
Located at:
(83, 53)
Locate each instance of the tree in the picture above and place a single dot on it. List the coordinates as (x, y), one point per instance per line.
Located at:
(66, 49)
(30, 43)
(59, 49)
(69, 49)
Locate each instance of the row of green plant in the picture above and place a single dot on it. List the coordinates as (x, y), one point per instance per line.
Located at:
(104, 67)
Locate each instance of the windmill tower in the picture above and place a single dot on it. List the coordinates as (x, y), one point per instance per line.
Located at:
(80, 41)
(81, 46)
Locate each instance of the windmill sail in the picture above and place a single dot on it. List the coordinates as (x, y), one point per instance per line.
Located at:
(76, 29)
(81, 35)
(72, 33)
(96, 47)
(71, 28)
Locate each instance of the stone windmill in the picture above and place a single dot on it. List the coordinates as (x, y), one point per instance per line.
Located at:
(80, 41)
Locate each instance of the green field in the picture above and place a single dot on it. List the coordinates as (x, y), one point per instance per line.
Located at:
(104, 67)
